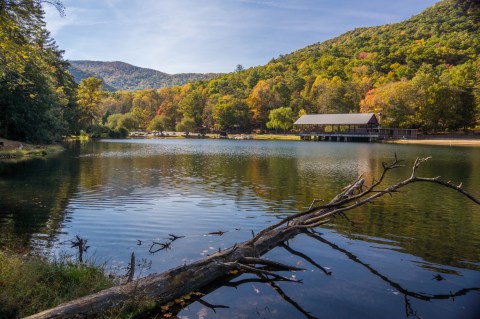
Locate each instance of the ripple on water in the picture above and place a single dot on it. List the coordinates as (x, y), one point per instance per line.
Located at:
(123, 196)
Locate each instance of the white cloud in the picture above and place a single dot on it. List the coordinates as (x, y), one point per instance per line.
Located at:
(206, 36)
(75, 17)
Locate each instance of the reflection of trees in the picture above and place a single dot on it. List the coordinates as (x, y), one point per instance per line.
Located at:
(445, 230)
(347, 199)
(232, 282)
(397, 286)
(286, 182)
(35, 196)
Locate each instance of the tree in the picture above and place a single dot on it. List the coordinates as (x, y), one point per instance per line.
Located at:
(113, 120)
(187, 125)
(397, 103)
(253, 79)
(261, 101)
(159, 123)
(230, 111)
(128, 121)
(192, 105)
(89, 97)
(170, 97)
(331, 95)
(281, 118)
(117, 102)
(36, 90)
(239, 68)
(446, 101)
(145, 104)
(105, 117)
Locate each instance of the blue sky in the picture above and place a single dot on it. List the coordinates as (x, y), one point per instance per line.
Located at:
(177, 36)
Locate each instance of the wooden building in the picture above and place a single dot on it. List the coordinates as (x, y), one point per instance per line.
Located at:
(353, 127)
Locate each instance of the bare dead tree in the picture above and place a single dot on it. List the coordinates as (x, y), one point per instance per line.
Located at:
(81, 244)
(160, 289)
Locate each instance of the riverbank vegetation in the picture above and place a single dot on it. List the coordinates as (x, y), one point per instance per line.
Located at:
(421, 73)
(29, 284)
(15, 149)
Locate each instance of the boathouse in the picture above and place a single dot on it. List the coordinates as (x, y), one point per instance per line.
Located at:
(352, 127)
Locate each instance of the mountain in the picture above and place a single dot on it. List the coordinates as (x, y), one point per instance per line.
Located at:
(123, 76)
(422, 73)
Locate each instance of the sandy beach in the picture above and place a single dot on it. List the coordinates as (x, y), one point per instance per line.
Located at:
(443, 142)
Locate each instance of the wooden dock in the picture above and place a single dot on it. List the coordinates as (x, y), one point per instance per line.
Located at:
(352, 127)
(338, 137)
(371, 135)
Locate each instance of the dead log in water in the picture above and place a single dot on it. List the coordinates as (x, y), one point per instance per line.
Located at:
(163, 288)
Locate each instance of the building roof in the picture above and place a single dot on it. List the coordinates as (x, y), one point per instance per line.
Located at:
(337, 119)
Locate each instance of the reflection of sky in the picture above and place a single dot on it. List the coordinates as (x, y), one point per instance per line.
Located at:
(151, 187)
(353, 290)
(147, 189)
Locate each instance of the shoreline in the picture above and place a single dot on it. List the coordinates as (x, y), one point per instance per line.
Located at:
(14, 149)
(472, 142)
(440, 142)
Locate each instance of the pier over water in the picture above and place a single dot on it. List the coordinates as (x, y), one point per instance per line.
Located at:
(362, 127)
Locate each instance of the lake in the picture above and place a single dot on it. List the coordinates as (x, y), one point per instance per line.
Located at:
(415, 254)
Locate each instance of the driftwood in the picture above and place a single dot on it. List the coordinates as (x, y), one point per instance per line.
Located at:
(161, 289)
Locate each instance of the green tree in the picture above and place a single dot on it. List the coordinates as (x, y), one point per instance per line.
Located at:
(281, 118)
(128, 121)
(192, 106)
(239, 68)
(331, 95)
(113, 120)
(89, 97)
(253, 79)
(187, 125)
(36, 91)
(159, 123)
(230, 112)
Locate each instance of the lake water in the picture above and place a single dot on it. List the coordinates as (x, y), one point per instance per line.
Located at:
(416, 254)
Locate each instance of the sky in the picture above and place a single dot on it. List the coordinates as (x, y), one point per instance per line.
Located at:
(182, 36)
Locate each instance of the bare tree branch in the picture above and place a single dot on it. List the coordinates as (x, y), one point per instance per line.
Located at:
(164, 287)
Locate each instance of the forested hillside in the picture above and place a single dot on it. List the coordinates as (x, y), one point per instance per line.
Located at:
(37, 93)
(124, 76)
(420, 73)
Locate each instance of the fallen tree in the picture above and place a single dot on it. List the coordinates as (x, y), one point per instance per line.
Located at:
(160, 289)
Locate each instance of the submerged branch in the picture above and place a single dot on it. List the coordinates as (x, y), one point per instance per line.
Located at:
(393, 284)
(165, 287)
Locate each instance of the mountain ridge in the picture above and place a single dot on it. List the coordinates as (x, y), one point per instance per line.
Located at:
(122, 76)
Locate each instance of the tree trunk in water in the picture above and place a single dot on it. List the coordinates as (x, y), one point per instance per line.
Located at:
(165, 287)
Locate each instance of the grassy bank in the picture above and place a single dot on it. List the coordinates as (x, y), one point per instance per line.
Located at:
(283, 137)
(15, 149)
(31, 284)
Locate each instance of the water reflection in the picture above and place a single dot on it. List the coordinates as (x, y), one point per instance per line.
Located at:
(34, 195)
(125, 195)
(195, 301)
